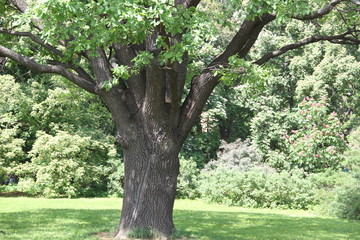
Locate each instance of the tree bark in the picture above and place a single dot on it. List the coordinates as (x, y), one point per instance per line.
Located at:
(151, 170)
(150, 143)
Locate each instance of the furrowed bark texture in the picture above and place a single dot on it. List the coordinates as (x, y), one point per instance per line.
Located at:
(151, 169)
(151, 149)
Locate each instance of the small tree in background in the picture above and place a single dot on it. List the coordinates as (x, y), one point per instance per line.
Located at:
(318, 142)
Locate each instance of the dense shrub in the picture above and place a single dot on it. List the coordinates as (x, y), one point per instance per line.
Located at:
(54, 137)
(239, 178)
(338, 194)
(66, 165)
(29, 186)
(13, 109)
(238, 154)
(187, 182)
(352, 155)
(3, 176)
(346, 200)
(255, 188)
(116, 177)
(343, 200)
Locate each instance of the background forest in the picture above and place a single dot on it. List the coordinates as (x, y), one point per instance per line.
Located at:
(285, 135)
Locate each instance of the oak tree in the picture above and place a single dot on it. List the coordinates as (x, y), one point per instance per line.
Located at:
(145, 60)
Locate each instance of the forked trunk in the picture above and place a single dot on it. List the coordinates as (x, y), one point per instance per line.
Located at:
(149, 136)
(151, 170)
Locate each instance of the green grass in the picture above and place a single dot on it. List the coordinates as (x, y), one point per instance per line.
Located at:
(42, 219)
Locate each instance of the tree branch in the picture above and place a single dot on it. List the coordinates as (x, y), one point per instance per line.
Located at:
(125, 55)
(306, 41)
(202, 85)
(82, 73)
(181, 69)
(33, 65)
(52, 49)
(244, 38)
(21, 5)
(357, 2)
(34, 39)
(320, 12)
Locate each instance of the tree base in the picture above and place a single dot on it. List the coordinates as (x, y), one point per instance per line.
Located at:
(110, 236)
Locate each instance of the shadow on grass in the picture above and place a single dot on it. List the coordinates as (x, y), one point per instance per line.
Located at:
(80, 224)
(248, 225)
(15, 194)
(57, 223)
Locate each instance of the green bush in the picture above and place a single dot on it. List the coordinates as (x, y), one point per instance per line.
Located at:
(342, 199)
(12, 187)
(116, 178)
(13, 111)
(257, 189)
(29, 186)
(346, 200)
(339, 197)
(187, 181)
(239, 178)
(352, 155)
(66, 165)
(3, 176)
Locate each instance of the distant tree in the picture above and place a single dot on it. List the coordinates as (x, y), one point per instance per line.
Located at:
(136, 55)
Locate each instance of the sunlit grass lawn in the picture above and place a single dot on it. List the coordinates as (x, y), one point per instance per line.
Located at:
(42, 219)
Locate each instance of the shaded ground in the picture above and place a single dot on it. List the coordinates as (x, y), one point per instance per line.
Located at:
(110, 236)
(104, 235)
(65, 219)
(14, 194)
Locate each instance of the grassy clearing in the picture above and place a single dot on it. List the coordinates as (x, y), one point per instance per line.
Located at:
(37, 218)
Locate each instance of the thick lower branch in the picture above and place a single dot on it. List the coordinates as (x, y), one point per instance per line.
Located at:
(101, 68)
(33, 65)
(201, 88)
(34, 39)
(203, 84)
(80, 71)
(244, 38)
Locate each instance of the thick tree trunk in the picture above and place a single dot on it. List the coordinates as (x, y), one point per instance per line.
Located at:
(148, 135)
(151, 170)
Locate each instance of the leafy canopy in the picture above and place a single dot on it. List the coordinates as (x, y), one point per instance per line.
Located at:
(75, 27)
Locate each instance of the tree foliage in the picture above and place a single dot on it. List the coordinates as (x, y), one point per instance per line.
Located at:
(51, 140)
(67, 165)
